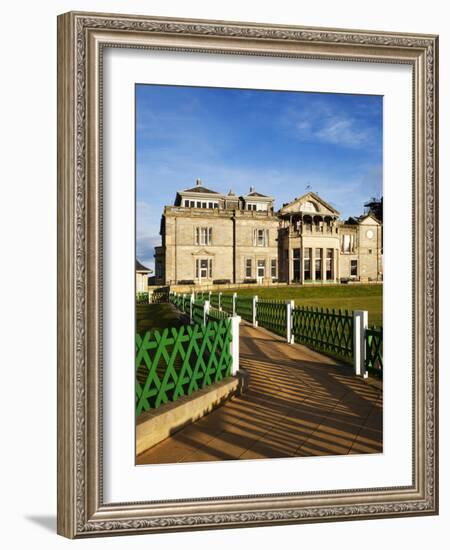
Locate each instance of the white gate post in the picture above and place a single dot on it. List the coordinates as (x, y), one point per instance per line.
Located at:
(205, 311)
(191, 305)
(234, 344)
(289, 335)
(234, 303)
(254, 305)
(360, 323)
(220, 302)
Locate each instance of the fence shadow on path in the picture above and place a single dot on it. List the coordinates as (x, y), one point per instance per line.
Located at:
(299, 403)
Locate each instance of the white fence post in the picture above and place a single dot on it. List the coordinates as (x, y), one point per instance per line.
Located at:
(360, 324)
(234, 303)
(254, 305)
(220, 301)
(205, 311)
(234, 344)
(191, 306)
(289, 335)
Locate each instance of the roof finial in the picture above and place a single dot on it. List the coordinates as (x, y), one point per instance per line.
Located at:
(198, 182)
(252, 189)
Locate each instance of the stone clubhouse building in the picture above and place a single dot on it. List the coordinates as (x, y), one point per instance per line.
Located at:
(213, 238)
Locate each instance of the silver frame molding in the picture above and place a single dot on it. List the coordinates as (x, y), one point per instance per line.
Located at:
(81, 38)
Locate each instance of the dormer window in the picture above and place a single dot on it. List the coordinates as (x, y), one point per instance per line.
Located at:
(261, 206)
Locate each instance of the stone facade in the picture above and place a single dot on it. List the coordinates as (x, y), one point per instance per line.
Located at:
(210, 237)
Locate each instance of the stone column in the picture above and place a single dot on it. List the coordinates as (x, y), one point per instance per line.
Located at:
(313, 264)
(289, 261)
(302, 264)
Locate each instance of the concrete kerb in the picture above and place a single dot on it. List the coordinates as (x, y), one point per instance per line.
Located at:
(155, 425)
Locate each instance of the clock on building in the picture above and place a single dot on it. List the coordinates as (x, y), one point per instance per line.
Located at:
(369, 234)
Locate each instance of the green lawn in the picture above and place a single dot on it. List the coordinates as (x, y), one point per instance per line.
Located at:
(350, 297)
(156, 316)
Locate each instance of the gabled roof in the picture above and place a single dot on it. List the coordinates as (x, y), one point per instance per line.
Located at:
(200, 189)
(256, 194)
(295, 205)
(252, 194)
(142, 268)
(369, 215)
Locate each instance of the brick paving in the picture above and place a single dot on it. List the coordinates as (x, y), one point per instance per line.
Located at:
(299, 403)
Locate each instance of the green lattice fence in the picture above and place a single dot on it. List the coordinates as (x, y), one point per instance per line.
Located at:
(324, 330)
(244, 307)
(180, 361)
(185, 303)
(271, 314)
(201, 297)
(374, 350)
(215, 314)
(215, 300)
(197, 312)
(142, 297)
(227, 302)
(159, 296)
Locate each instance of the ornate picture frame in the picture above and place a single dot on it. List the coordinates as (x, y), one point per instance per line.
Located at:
(82, 37)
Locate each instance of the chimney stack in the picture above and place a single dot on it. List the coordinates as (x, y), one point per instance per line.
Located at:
(198, 182)
(252, 189)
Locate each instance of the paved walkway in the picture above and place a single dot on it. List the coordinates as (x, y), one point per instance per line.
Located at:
(299, 403)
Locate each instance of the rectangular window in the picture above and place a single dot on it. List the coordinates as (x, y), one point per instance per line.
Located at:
(203, 268)
(273, 268)
(261, 268)
(307, 264)
(329, 264)
(186, 203)
(199, 204)
(296, 265)
(260, 237)
(354, 268)
(203, 204)
(203, 235)
(248, 268)
(346, 243)
(192, 204)
(260, 240)
(318, 264)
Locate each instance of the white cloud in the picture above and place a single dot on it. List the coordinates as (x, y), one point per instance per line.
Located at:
(323, 123)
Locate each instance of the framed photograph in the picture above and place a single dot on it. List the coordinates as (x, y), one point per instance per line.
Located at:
(247, 284)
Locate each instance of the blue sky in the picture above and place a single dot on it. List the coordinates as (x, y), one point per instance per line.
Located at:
(277, 142)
